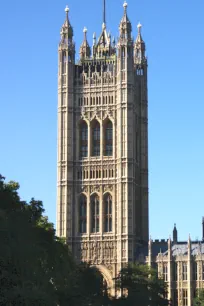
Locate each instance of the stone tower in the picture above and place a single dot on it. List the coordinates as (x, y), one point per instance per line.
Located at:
(102, 204)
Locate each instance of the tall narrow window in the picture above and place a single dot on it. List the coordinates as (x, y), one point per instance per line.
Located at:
(95, 138)
(175, 271)
(108, 139)
(83, 139)
(185, 297)
(165, 272)
(107, 213)
(95, 214)
(184, 271)
(82, 214)
(195, 272)
(203, 272)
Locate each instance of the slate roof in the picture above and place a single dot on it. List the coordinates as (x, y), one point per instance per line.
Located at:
(179, 248)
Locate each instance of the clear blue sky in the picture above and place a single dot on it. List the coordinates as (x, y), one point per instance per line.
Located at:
(173, 32)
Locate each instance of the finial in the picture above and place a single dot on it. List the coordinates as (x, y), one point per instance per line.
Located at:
(66, 9)
(85, 30)
(139, 27)
(125, 5)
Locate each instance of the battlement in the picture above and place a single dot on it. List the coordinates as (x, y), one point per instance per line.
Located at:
(160, 241)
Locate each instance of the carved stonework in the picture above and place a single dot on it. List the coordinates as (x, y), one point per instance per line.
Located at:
(84, 189)
(95, 188)
(84, 113)
(108, 188)
(96, 114)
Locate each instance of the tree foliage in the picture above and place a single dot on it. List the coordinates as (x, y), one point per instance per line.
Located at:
(141, 286)
(199, 299)
(37, 268)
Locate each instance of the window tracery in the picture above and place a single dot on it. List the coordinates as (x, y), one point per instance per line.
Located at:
(107, 213)
(108, 138)
(83, 139)
(95, 213)
(95, 138)
(82, 214)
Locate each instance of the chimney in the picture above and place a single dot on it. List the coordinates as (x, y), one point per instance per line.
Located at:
(203, 229)
(175, 234)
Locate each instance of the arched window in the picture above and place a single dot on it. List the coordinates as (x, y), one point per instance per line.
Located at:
(83, 139)
(108, 138)
(95, 214)
(95, 138)
(107, 213)
(82, 214)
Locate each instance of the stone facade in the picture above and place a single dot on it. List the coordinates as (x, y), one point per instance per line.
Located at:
(102, 204)
(180, 264)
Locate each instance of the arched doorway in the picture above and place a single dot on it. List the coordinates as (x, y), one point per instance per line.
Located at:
(107, 279)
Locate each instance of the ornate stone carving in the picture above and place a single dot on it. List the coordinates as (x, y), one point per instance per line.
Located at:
(84, 189)
(84, 114)
(108, 188)
(95, 188)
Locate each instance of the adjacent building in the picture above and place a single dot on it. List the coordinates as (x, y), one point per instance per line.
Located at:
(180, 264)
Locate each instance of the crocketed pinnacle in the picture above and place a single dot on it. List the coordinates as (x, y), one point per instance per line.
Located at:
(85, 50)
(125, 24)
(67, 28)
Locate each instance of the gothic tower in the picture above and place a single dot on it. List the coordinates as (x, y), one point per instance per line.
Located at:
(102, 204)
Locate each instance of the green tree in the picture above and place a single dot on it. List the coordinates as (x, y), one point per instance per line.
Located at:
(199, 299)
(141, 286)
(36, 267)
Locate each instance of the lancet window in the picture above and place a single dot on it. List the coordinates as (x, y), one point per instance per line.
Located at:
(83, 139)
(95, 138)
(107, 213)
(95, 214)
(82, 214)
(108, 138)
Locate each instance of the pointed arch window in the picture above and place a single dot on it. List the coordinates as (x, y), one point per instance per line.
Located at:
(107, 213)
(95, 138)
(108, 138)
(83, 139)
(95, 214)
(82, 214)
